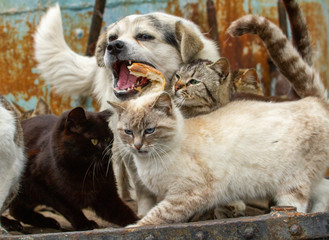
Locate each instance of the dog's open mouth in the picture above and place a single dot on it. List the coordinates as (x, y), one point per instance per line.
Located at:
(125, 83)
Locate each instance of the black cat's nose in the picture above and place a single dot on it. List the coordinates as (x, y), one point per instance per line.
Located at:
(115, 47)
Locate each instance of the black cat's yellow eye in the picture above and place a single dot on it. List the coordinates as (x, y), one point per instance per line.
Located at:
(194, 81)
(108, 140)
(149, 130)
(94, 141)
(129, 132)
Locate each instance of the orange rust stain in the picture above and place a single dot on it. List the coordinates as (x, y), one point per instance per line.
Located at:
(173, 8)
(243, 52)
(17, 63)
(318, 28)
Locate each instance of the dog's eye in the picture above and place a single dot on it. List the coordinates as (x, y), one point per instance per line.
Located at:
(144, 37)
(112, 38)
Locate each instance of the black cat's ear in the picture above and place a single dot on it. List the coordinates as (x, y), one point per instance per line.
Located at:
(75, 118)
(106, 114)
(77, 115)
(221, 66)
(119, 107)
(163, 103)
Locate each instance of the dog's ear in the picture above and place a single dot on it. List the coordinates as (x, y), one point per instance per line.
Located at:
(100, 49)
(189, 42)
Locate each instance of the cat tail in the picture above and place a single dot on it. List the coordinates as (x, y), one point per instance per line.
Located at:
(300, 34)
(69, 72)
(304, 79)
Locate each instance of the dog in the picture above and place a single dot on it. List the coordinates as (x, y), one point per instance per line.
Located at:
(158, 39)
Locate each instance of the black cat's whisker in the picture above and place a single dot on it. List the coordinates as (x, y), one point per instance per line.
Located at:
(94, 174)
(84, 179)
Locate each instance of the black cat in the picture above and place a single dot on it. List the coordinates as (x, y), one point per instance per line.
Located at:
(69, 169)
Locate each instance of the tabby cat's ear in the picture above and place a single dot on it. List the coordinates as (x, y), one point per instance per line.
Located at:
(119, 107)
(75, 118)
(221, 66)
(250, 76)
(163, 103)
(41, 108)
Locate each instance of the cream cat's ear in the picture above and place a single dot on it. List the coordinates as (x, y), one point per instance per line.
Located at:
(221, 66)
(189, 42)
(163, 103)
(119, 107)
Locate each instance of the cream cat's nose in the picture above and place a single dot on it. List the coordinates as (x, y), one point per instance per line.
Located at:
(138, 146)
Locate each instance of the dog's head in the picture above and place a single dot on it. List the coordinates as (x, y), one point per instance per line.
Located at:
(157, 39)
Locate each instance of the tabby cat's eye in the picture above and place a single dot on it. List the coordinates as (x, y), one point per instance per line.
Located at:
(194, 81)
(129, 132)
(177, 76)
(149, 130)
(94, 141)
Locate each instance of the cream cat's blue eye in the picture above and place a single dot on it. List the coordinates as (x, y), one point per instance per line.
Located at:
(94, 141)
(149, 130)
(129, 132)
(194, 81)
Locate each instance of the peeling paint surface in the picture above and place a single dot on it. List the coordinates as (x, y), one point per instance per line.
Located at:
(20, 81)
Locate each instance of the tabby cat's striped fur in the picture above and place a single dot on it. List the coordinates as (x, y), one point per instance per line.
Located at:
(201, 87)
(304, 79)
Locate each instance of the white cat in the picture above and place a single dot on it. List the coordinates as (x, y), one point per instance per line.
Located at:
(12, 157)
(245, 150)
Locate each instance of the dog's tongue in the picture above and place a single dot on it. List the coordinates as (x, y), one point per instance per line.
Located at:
(126, 80)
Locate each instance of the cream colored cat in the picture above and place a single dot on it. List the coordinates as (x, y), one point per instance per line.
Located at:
(244, 150)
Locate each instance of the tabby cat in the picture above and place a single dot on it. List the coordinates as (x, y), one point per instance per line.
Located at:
(289, 60)
(68, 169)
(12, 156)
(201, 86)
(41, 108)
(198, 163)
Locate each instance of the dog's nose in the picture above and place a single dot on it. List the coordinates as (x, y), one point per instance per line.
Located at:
(115, 47)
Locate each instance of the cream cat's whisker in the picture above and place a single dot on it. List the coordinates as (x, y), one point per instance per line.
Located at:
(160, 159)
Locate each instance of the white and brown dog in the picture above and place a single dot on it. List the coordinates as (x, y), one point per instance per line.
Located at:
(158, 39)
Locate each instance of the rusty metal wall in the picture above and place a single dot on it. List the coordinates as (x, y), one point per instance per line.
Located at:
(21, 83)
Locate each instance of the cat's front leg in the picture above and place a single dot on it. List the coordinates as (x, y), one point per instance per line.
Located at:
(174, 209)
(144, 197)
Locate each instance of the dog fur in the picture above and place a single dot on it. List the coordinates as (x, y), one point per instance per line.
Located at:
(158, 39)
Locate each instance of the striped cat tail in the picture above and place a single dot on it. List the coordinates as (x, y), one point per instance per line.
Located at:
(300, 34)
(304, 79)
